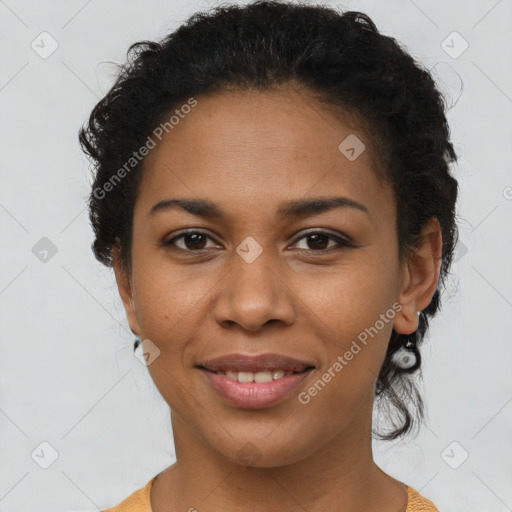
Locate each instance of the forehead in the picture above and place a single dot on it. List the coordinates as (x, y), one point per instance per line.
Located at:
(283, 120)
(243, 146)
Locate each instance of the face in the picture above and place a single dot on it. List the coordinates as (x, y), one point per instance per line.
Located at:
(248, 269)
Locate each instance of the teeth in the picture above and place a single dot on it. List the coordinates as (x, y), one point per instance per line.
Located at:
(264, 376)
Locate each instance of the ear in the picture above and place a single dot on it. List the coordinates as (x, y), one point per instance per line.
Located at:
(419, 278)
(125, 287)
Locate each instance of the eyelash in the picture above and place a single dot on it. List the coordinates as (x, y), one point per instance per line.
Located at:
(342, 243)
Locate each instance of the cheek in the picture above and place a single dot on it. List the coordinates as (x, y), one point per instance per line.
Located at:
(173, 309)
(354, 296)
(354, 317)
(166, 296)
(354, 321)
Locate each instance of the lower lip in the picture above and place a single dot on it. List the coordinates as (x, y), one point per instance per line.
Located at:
(255, 395)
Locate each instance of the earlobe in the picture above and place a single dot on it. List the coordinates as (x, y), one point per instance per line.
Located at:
(419, 278)
(125, 288)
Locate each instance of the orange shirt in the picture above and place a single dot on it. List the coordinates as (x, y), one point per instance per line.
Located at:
(139, 501)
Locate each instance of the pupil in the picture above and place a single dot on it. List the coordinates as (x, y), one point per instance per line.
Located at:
(195, 237)
(317, 239)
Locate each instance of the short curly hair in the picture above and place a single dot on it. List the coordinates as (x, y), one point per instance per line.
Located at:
(342, 60)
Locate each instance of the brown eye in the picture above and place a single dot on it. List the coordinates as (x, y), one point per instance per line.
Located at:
(194, 241)
(318, 241)
(189, 241)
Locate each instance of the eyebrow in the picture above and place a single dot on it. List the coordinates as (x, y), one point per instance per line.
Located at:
(288, 209)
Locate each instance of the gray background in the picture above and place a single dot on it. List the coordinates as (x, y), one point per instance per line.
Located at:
(68, 376)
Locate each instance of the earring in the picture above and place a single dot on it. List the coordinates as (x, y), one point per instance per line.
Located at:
(136, 344)
(407, 357)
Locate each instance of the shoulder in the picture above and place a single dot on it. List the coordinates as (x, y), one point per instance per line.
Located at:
(139, 501)
(418, 503)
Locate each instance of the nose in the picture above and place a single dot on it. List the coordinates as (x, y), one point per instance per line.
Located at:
(254, 294)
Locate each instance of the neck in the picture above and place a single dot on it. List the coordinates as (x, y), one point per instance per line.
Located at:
(339, 475)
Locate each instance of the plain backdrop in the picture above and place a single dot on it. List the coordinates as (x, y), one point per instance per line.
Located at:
(81, 424)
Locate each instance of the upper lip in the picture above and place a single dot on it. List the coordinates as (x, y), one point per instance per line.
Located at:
(255, 363)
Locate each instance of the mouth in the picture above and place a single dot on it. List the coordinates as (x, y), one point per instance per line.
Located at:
(260, 376)
(249, 363)
(255, 381)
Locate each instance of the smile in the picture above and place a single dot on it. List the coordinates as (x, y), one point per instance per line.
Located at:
(261, 376)
(248, 390)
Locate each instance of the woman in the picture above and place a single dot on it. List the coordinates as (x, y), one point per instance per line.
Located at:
(272, 190)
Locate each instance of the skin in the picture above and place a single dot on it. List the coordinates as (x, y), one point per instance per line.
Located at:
(248, 152)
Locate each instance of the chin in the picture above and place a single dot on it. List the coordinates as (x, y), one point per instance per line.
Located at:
(264, 450)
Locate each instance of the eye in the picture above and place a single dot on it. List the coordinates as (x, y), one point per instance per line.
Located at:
(191, 241)
(195, 241)
(319, 241)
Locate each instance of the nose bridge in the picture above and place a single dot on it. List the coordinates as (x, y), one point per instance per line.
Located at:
(253, 292)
